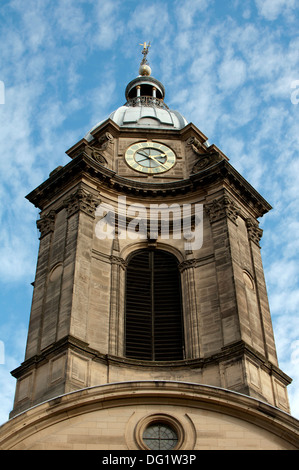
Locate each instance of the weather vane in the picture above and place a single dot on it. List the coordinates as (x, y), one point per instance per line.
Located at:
(145, 52)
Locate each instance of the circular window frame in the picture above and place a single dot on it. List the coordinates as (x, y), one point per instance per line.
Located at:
(160, 418)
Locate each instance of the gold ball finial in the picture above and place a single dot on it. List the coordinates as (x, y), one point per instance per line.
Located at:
(145, 70)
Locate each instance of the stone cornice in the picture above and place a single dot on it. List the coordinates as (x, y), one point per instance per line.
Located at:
(68, 342)
(83, 165)
(234, 350)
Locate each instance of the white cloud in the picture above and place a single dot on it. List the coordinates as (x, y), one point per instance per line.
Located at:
(271, 9)
(103, 98)
(245, 108)
(293, 369)
(7, 386)
(232, 73)
(108, 26)
(18, 248)
(151, 21)
(283, 274)
(186, 11)
(73, 22)
(14, 347)
(246, 13)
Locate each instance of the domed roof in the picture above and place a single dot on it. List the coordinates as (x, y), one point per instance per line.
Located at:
(148, 117)
(145, 107)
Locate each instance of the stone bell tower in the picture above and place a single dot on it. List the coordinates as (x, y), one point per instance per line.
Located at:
(121, 310)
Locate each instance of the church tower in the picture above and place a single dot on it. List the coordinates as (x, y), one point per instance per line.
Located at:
(150, 325)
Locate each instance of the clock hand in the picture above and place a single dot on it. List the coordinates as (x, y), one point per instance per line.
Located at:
(158, 155)
(146, 158)
(154, 158)
(143, 154)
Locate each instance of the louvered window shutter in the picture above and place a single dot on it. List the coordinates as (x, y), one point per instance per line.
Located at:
(153, 326)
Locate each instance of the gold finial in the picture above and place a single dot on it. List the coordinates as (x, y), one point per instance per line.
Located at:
(144, 67)
(145, 51)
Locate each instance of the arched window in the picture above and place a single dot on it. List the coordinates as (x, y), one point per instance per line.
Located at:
(153, 326)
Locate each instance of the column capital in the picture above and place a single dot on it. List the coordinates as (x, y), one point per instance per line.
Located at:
(254, 232)
(221, 208)
(80, 200)
(46, 223)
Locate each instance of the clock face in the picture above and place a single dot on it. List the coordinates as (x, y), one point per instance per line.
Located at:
(150, 157)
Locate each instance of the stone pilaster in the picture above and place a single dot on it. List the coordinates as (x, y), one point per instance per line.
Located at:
(116, 319)
(254, 236)
(223, 214)
(46, 225)
(80, 208)
(192, 321)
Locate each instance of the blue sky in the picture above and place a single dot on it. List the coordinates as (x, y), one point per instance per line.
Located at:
(230, 67)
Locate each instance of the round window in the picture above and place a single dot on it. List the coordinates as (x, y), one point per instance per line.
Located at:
(160, 436)
(161, 431)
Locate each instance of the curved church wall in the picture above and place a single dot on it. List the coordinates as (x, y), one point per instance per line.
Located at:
(115, 416)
